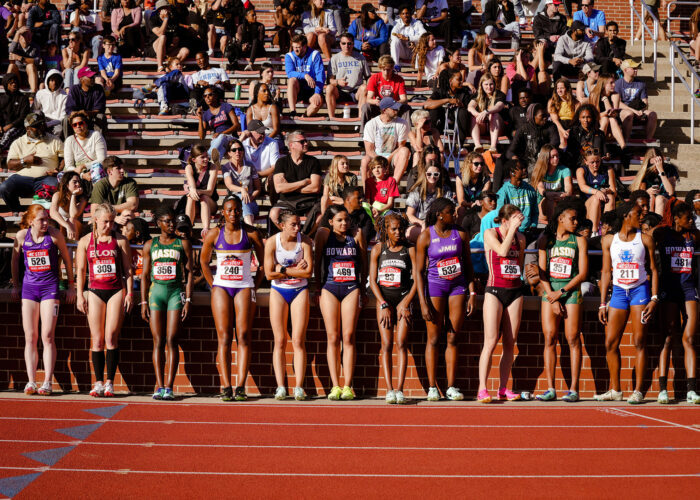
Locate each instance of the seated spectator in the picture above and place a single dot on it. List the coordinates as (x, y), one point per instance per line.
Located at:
(349, 70)
(551, 180)
(110, 66)
(108, 7)
(126, 28)
(429, 186)
(499, 21)
(609, 51)
(250, 40)
(25, 57)
(201, 176)
(86, 149)
(116, 189)
(634, 101)
(267, 76)
(297, 179)
(656, 178)
(526, 73)
(562, 107)
(338, 178)
(223, 17)
(516, 191)
(319, 27)
(44, 21)
(241, 179)
(53, 58)
(454, 62)
(380, 188)
(572, 52)
(695, 33)
(386, 135)
(7, 20)
(471, 222)
(353, 197)
(518, 112)
(449, 102)
(288, 21)
(478, 58)
(168, 37)
(597, 185)
(423, 134)
(370, 33)
(220, 119)
(341, 14)
(306, 76)
(434, 14)
(37, 156)
(260, 151)
(549, 25)
(264, 110)
(473, 179)
(172, 86)
(89, 25)
(608, 104)
(14, 108)
(427, 57)
(68, 205)
(586, 83)
(88, 97)
(485, 109)
(585, 135)
(75, 57)
(430, 155)
(405, 35)
(207, 76)
(51, 100)
(495, 69)
(592, 19)
(386, 83)
(693, 199)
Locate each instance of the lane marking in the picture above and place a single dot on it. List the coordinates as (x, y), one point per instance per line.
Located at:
(694, 429)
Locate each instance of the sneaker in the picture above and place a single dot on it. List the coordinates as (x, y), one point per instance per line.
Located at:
(108, 390)
(550, 395)
(280, 393)
(454, 394)
(347, 394)
(45, 390)
(400, 399)
(570, 397)
(239, 394)
(249, 67)
(164, 109)
(335, 393)
(433, 394)
(397, 69)
(663, 398)
(611, 395)
(299, 394)
(227, 394)
(30, 388)
(158, 395)
(97, 391)
(390, 397)
(692, 397)
(483, 396)
(210, 52)
(507, 394)
(636, 398)
(168, 394)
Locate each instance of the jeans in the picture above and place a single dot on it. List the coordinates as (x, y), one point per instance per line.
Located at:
(96, 44)
(21, 186)
(511, 29)
(221, 144)
(70, 78)
(517, 5)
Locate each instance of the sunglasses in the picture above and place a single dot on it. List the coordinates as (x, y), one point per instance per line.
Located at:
(79, 124)
(302, 141)
(236, 150)
(72, 39)
(478, 163)
(345, 43)
(208, 95)
(433, 174)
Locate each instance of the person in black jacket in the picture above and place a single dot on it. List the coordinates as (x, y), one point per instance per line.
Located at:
(14, 107)
(609, 51)
(88, 97)
(584, 135)
(549, 25)
(495, 28)
(450, 98)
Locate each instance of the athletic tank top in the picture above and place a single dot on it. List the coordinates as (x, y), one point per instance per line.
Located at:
(444, 256)
(233, 262)
(40, 260)
(628, 259)
(504, 272)
(104, 264)
(289, 258)
(676, 251)
(167, 262)
(395, 272)
(596, 181)
(562, 259)
(340, 260)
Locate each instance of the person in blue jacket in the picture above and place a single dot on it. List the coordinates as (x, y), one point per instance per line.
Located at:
(305, 76)
(521, 194)
(370, 32)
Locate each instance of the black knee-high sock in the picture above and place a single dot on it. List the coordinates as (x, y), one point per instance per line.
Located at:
(663, 383)
(691, 384)
(112, 363)
(98, 364)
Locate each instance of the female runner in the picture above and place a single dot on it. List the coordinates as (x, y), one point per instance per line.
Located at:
(449, 271)
(40, 244)
(627, 255)
(107, 255)
(340, 265)
(391, 267)
(164, 303)
(503, 300)
(563, 261)
(233, 290)
(289, 264)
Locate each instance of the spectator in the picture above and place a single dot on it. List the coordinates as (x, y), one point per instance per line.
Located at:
(220, 119)
(370, 33)
(338, 178)
(549, 25)
(172, 86)
(473, 179)
(260, 151)
(471, 223)
(609, 51)
(495, 69)
(201, 176)
(657, 179)
(75, 57)
(108, 7)
(14, 108)
(53, 58)
(241, 179)
(265, 111)
(434, 14)
(695, 33)
(518, 112)
(454, 62)
(116, 189)
(450, 98)
(562, 107)
(207, 77)
(572, 52)
(110, 66)
(223, 17)
(405, 35)
(518, 192)
(353, 197)
(126, 28)
(89, 25)
(86, 149)
(423, 134)
(478, 58)
(250, 40)
(341, 14)
(24, 57)
(499, 21)
(381, 189)
(168, 38)
(585, 135)
(597, 185)
(349, 70)
(386, 83)
(693, 199)
(68, 205)
(427, 57)
(524, 76)
(7, 19)
(88, 97)
(429, 156)
(305, 76)
(288, 21)
(37, 156)
(429, 186)
(634, 101)
(319, 27)
(586, 83)
(485, 109)
(51, 100)
(551, 180)
(267, 76)
(592, 19)
(607, 102)
(386, 135)
(44, 20)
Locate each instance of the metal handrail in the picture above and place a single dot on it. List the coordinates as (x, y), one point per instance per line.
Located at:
(676, 18)
(694, 78)
(654, 35)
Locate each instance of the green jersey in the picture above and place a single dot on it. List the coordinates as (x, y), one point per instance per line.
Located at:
(167, 262)
(562, 259)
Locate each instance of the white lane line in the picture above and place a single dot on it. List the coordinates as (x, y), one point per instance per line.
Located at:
(694, 429)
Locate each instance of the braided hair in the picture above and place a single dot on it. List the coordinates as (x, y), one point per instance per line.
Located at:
(437, 206)
(381, 227)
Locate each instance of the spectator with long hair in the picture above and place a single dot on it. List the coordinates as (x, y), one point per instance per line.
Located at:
(337, 179)
(607, 102)
(473, 179)
(658, 179)
(486, 109)
(585, 135)
(427, 57)
(319, 27)
(424, 133)
(263, 108)
(370, 32)
(450, 102)
(431, 185)
(201, 176)
(551, 179)
(587, 81)
(68, 205)
(126, 28)
(597, 185)
(561, 108)
(75, 57)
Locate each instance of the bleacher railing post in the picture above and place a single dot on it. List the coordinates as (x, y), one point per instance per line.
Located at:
(671, 57)
(632, 23)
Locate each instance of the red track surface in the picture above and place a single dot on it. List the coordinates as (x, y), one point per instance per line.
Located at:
(312, 450)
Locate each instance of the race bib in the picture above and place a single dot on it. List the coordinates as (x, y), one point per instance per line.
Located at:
(626, 273)
(164, 271)
(560, 268)
(449, 269)
(681, 262)
(390, 277)
(510, 269)
(104, 269)
(231, 268)
(38, 260)
(343, 271)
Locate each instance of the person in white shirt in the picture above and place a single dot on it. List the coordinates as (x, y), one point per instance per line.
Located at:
(84, 148)
(319, 27)
(386, 135)
(89, 24)
(435, 17)
(427, 58)
(405, 35)
(207, 76)
(51, 100)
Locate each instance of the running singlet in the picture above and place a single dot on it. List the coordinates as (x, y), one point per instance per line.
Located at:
(340, 260)
(444, 256)
(628, 259)
(289, 258)
(40, 260)
(104, 264)
(167, 262)
(676, 251)
(504, 272)
(395, 272)
(233, 262)
(562, 258)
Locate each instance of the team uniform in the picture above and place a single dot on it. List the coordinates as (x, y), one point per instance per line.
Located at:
(167, 262)
(289, 288)
(630, 284)
(105, 268)
(562, 260)
(40, 280)
(677, 271)
(233, 264)
(395, 274)
(445, 276)
(341, 266)
(505, 281)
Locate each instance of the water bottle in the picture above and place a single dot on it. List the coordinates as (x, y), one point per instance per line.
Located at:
(97, 172)
(237, 95)
(346, 111)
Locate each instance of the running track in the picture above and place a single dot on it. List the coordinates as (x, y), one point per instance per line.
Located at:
(68, 447)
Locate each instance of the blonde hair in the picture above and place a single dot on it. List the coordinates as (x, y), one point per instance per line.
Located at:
(102, 208)
(334, 181)
(465, 170)
(644, 169)
(482, 101)
(418, 115)
(541, 165)
(29, 216)
(317, 14)
(694, 21)
(422, 182)
(599, 90)
(386, 62)
(421, 51)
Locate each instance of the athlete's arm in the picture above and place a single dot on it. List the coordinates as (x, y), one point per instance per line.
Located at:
(419, 269)
(205, 255)
(60, 242)
(542, 264)
(468, 270)
(582, 265)
(189, 271)
(270, 264)
(373, 264)
(319, 243)
(651, 249)
(255, 238)
(605, 278)
(80, 258)
(146, 279)
(16, 250)
(360, 239)
(126, 266)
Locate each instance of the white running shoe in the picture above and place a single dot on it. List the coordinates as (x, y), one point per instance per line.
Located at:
(611, 395)
(30, 388)
(433, 394)
(390, 397)
(454, 394)
(108, 390)
(663, 398)
(636, 398)
(280, 393)
(692, 397)
(299, 394)
(400, 399)
(98, 390)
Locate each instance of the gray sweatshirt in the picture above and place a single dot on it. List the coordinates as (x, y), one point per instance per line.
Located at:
(567, 49)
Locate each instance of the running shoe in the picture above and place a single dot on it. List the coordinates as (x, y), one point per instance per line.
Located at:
(692, 397)
(280, 393)
(570, 397)
(390, 397)
(483, 396)
(45, 390)
(507, 394)
(347, 394)
(611, 395)
(433, 394)
(227, 394)
(109, 390)
(239, 394)
(400, 399)
(168, 394)
(454, 394)
(550, 395)
(663, 398)
(98, 390)
(30, 388)
(299, 394)
(335, 393)
(636, 398)
(158, 395)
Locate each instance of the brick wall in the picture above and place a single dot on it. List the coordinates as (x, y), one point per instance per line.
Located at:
(198, 370)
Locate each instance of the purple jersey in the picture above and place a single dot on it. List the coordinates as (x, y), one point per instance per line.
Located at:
(444, 256)
(40, 261)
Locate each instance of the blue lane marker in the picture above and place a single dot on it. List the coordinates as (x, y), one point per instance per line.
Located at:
(49, 457)
(79, 432)
(106, 411)
(10, 486)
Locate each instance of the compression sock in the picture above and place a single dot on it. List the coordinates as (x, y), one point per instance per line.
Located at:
(691, 384)
(98, 364)
(663, 383)
(112, 363)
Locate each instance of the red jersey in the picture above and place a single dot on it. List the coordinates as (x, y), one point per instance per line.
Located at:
(104, 264)
(394, 87)
(504, 272)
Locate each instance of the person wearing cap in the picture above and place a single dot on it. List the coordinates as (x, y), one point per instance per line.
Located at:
(116, 189)
(572, 52)
(634, 101)
(44, 20)
(14, 108)
(25, 56)
(37, 157)
(386, 83)
(51, 100)
(165, 32)
(549, 25)
(349, 71)
(584, 87)
(434, 14)
(260, 151)
(610, 50)
(592, 19)
(370, 33)
(306, 75)
(386, 135)
(88, 97)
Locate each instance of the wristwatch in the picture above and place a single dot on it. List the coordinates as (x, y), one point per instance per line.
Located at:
(283, 269)
(655, 298)
(21, 161)
(662, 174)
(385, 305)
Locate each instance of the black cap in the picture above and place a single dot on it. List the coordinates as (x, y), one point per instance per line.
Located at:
(183, 221)
(578, 25)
